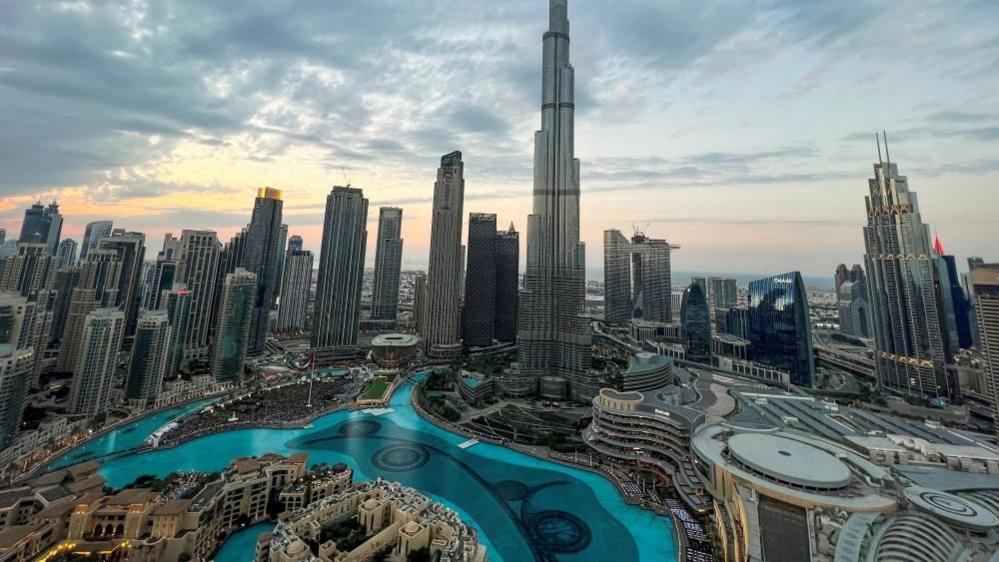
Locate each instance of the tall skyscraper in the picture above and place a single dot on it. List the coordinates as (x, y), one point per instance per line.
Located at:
(388, 264)
(42, 224)
(200, 256)
(480, 281)
(93, 374)
(131, 247)
(617, 277)
(294, 307)
(780, 331)
(282, 252)
(96, 288)
(985, 284)
(909, 349)
(341, 274)
(419, 300)
(64, 282)
(507, 285)
(554, 337)
(442, 323)
(148, 361)
(66, 254)
(239, 294)
(15, 371)
(30, 270)
(637, 279)
(651, 280)
(93, 232)
(264, 244)
(695, 318)
(177, 303)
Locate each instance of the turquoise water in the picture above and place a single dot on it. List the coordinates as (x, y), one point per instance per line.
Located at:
(526, 508)
(124, 438)
(241, 545)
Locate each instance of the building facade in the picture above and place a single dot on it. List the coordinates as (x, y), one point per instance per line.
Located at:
(985, 282)
(148, 362)
(264, 244)
(780, 331)
(554, 338)
(388, 265)
(695, 321)
(480, 281)
(200, 257)
(441, 322)
(42, 225)
(239, 293)
(341, 274)
(295, 288)
(507, 285)
(93, 232)
(93, 377)
(908, 341)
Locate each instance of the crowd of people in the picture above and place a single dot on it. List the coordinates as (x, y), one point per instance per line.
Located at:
(276, 406)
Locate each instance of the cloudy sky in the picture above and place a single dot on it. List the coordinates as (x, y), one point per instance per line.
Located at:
(741, 131)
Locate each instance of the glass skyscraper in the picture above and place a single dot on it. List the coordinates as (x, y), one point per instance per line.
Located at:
(696, 324)
(507, 284)
(341, 273)
(388, 263)
(780, 333)
(480, 281)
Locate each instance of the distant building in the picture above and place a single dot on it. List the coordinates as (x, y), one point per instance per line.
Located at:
(131, 248)
(780, 330)
(388, 264)
(419, 300)
(956, 312)
(94, 232)
(696, 324)
(31, 270)
(42, 225)
(637, 280)
(985, 283)
(148, 362)
(164, 273)
(264, 244)
(441, 320)
(908, 337)
(722, 292)
(852, 302)
(96, 288)
(66, 253)
(341, 273)
(93, 375)
(294, 304)
(235, 320)
(507, 285)
(294, 242)
(480, 281)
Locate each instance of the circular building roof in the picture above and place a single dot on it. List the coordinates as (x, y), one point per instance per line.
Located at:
(953, 509)
(394, 340)
(789, 461)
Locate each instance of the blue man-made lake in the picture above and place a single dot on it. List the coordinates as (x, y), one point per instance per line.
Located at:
(525, 508)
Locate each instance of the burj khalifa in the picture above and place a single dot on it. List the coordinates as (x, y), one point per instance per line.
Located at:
(554, 337)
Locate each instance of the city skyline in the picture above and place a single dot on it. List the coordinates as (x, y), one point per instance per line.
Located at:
(726, 148)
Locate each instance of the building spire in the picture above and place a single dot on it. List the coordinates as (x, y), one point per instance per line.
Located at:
(938, 247)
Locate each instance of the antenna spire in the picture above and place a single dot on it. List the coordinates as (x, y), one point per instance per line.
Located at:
(887, 155)
(877, 140)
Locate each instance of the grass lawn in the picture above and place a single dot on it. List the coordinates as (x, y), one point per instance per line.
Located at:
(376, 390)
